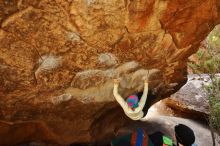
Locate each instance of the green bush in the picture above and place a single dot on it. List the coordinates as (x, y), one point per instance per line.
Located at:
(209, 62)
(214, 102)
(213, 39)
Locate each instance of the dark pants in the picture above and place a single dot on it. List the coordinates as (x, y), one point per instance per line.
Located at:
(150, 98)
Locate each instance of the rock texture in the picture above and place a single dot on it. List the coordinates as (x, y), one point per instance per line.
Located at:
(192, 97)
(58, 59)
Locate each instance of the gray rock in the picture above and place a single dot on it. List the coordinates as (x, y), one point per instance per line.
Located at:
(192, 97)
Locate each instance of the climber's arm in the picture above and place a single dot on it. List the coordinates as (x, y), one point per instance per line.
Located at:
(143, 97)
(118, 97)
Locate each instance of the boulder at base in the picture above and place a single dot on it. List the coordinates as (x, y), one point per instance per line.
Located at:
(192, 98)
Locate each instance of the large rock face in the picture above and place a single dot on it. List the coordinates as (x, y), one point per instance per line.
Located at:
(58, 59)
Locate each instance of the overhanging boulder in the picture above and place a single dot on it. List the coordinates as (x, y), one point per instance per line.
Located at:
(58, 59)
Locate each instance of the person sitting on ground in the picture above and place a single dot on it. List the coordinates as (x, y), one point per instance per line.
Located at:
(133, 108)
(184, 135)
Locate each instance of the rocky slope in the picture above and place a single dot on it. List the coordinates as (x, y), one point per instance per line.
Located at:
(58, 59)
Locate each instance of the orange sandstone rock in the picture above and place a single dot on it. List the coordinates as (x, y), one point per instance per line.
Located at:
(58, 59)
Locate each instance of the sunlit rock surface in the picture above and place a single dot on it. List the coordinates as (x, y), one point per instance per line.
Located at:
(58, 59)
(192, 98)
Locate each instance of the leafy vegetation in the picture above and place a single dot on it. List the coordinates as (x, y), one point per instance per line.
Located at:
(207, 60)
(214, 102)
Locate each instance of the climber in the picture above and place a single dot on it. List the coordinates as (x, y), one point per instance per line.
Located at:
(133, 108)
